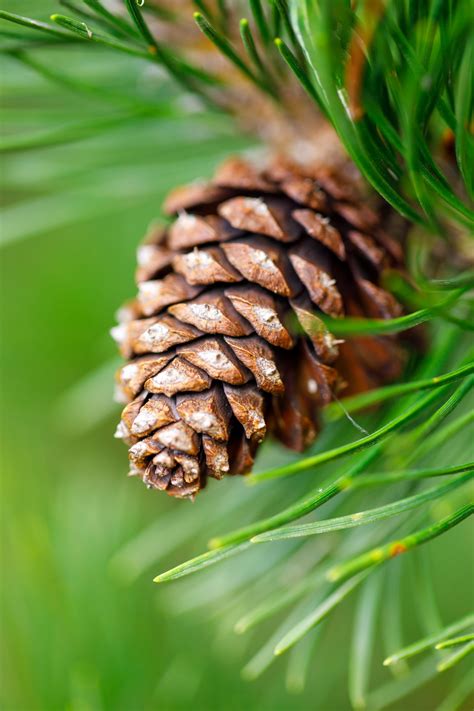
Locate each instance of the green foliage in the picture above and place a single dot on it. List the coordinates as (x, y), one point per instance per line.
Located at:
(393, 81)
(392, 78)
(110, 135)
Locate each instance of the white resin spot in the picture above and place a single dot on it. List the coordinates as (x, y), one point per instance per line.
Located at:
(221, 462)
(267, 316)
(125, 313)
(215, 359)
(256, 205)
(175, 438)
(187, 221)
(150, 289)
(268, 368)
(259, 257)
(164, 459)
(190, 468)
(207, 312)
(122, 431)
(128, 372)
(156, 333)
(257, 421)
(312, 386)
(138, 450)
(170, 376)
(120, 396)
(144, 254)
(198, 259)
(326, 280)
(202, 420)
(143, 421)
(119, 333)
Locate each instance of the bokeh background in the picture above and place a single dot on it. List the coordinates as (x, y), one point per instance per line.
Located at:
(83, 626)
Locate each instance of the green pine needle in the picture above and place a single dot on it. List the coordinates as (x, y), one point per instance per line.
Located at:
(362, 518)
(455, 641)
(321, 611)
(368, 441)
(379, 555)
(334, 411)
(201, 561)
(456, 657)
(228, 51)
(430, 641)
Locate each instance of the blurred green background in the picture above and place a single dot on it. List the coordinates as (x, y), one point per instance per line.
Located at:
(83, 626)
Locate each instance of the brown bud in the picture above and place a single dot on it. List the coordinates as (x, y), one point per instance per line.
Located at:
(127, 331)
(131, 410)
(164, 459)
(320, 381)
(241, 454)
(156, 477)
(337, 185)
(293, 414)
(140, 452)
(178, 486)
(393, 246)
(356, 377)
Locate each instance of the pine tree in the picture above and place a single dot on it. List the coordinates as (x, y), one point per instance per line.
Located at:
(392, 86)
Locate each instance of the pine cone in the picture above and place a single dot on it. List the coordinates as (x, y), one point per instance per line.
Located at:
(224, 340)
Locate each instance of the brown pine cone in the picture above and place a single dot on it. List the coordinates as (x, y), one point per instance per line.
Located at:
(224, 340)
